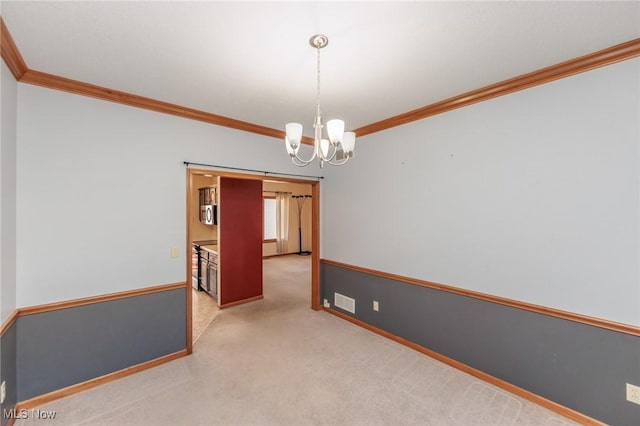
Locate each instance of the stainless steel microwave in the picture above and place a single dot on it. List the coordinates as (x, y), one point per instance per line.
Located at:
(209, 214)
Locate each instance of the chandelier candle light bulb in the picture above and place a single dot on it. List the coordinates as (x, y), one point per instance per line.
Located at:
(343, 143)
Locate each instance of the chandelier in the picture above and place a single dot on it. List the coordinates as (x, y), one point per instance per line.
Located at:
(338, 148)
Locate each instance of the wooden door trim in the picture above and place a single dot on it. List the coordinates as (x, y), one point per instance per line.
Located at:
(315, 235)
(188, 264)
(315, 246)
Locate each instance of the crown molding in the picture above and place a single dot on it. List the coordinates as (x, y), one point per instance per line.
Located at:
(12, 57)
(613, 54)
(55, 82)
(10, 53)
(22, 73)
(80, 88)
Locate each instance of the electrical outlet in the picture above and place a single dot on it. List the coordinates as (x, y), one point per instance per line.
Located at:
(326, 303)
(174, 251)
(376, 306)
(633, 393)
(3, 391)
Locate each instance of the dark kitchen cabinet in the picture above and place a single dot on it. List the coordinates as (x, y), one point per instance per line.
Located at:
(204, 271)
(208, 195)
(212, 275)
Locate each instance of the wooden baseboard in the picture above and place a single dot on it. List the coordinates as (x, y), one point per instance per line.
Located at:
(79, 387)
(241, 302)
(523, 393)
(281, 254)
(276, 255)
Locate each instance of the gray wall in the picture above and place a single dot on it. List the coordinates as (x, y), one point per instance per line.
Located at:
(581, 367)
(8, 172)
(113, 180)
(79, 153)
(60, 348)
(8, 368)
(8, 153)
(532, 196)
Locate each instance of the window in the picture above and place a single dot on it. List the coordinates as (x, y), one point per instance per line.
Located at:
(270, 219)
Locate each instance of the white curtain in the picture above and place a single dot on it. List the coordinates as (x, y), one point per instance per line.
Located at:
(282, 222)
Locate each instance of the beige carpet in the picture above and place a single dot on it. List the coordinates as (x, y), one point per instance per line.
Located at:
(277, 362)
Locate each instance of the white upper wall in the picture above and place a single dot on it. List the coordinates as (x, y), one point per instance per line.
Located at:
(532, 196)
(102, 192)
(8, 91)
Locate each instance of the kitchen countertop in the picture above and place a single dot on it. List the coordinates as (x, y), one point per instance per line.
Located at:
(213, 248)
(205, 242)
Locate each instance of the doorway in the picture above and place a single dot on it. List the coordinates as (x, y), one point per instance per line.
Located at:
(310, 241)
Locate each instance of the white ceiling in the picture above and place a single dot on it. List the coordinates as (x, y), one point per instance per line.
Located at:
(252, 61)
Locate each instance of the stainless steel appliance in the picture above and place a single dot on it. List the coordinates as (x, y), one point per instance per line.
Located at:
(199, 265)
(195, 266)
(208, 214)
(208, 204)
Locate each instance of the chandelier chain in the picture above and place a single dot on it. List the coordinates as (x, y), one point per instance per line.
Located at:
(318, 80)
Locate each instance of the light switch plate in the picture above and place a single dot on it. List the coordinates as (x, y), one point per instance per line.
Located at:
(376, 306)
(3, 392)
(633, 393)
(174, 251)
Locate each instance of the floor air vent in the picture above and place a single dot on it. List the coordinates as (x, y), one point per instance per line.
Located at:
(344, 302)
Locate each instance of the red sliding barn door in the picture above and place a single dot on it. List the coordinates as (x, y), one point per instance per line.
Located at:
(239, 240)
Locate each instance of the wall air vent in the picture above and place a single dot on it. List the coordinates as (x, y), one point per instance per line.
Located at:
(344, 302)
